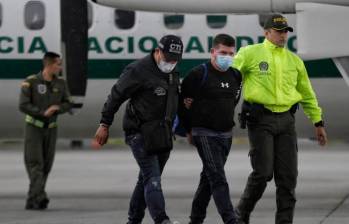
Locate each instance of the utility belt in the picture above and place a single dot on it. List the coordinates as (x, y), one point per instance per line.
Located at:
(38, 123)
(253, 112)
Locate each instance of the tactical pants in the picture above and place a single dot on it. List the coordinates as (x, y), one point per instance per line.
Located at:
(273, 152)
(39, 152)
(213, 152)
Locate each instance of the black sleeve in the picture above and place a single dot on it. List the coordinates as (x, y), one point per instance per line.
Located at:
(128, 83)
(189, 88)
(239, 78)
(192, 82)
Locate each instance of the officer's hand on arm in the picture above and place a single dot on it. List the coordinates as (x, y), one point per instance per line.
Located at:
(321, 135)
(51, 110)
(188, 102)
(102, 134)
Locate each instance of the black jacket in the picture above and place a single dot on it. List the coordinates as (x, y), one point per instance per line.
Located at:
(215, 97)
(146, 86)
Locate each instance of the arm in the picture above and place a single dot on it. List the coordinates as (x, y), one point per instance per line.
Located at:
(128, 83)
(237, 99)
(189, 89)
(310, 104)
(240, 62)
(126, 86)
(309, 101)
(25, 104)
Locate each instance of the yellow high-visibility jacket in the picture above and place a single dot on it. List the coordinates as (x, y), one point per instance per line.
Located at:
(277, 78)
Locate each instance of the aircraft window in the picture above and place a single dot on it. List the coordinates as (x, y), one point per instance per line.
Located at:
(124, 19)
(216, 21)
(34, 15)
(0, 15)
(89, 14)
(174, 21)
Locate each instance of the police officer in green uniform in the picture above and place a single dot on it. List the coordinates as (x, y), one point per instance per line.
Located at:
(43, 96)
(275, 81)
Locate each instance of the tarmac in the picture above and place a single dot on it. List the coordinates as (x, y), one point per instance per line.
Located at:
(88, 186)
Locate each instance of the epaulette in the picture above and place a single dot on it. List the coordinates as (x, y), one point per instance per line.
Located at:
(32, 77)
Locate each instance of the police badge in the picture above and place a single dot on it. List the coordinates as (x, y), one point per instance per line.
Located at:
(263, 66)
(42, 88)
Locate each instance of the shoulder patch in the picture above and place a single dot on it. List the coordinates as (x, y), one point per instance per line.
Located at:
(25, 84)
(32, 77)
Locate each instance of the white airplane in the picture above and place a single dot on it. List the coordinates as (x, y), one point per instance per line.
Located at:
(118, 36)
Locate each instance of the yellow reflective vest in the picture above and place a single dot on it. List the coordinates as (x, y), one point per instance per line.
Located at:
(276, 78)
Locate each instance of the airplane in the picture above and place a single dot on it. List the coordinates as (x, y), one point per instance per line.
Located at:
(116, 37)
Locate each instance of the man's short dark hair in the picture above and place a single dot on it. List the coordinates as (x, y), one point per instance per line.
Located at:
(223, 39)
(50, 58)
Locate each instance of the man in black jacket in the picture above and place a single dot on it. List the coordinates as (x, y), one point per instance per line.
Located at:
(211, 92)
(146, 83)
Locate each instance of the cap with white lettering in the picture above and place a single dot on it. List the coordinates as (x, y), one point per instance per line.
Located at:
(172, 47)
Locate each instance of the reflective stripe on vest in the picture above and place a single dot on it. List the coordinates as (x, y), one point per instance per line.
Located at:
(37, 123)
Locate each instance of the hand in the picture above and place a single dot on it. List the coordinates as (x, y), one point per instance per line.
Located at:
(102, 134)
(188, 102)
(190, 138)
(51, 110)
(321, 135)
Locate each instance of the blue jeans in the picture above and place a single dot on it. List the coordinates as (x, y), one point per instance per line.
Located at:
(148, 192)
(213, 152)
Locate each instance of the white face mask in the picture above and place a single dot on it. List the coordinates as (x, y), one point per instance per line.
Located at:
(166, 67)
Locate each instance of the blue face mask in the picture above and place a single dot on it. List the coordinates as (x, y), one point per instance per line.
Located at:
(224, 62)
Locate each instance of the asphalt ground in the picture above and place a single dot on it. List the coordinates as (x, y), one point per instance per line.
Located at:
(88, 186)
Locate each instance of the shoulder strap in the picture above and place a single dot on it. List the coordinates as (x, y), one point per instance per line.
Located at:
(170, 92)
(204, 77)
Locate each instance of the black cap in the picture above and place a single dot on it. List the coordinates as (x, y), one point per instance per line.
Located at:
(172, 47)
(277, 22)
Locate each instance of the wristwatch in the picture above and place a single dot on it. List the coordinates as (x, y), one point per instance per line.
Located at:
(319, 124)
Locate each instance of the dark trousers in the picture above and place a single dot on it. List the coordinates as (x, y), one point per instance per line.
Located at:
(39, 152)
(273, 153)
(148, 191)
(213, 152)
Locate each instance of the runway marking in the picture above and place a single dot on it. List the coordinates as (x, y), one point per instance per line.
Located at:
(334, 209)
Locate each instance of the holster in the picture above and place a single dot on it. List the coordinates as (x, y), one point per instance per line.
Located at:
(250, 113)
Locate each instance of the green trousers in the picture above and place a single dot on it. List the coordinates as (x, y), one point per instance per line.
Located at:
(39, 152)
(273, 153)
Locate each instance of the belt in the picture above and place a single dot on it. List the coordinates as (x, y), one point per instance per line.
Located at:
(40, 124)
(267, 111)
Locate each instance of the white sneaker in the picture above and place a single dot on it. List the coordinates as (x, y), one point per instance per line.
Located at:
(169, 222)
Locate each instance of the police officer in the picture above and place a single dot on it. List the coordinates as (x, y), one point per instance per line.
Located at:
(147, 84)
(211, 92)
(275, 81)
(43, 96)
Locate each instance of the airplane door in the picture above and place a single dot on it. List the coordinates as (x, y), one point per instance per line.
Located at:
(74, 31)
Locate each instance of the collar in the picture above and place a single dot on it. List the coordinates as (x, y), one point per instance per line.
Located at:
(41, 77)
(268, 44)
